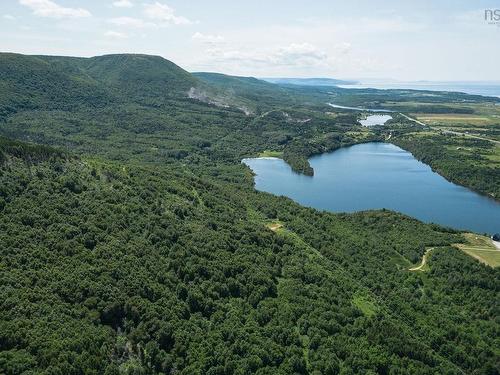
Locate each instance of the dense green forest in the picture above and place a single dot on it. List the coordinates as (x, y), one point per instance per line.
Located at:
(133, 242)
(84, 105)
(446, 155)
(112, 268)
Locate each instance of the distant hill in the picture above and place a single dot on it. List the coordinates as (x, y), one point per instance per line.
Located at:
(261, 94)
(143, 105)
(235, 82)
(309, 81)
(255, 92)
(54, 80)
(31, 82)
(141, 75)
(68, 83)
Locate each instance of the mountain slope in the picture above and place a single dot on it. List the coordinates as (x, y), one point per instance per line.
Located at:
(119, 269)
(30, 82)
(141, 75)
(263, 96)
(146, 108)
(140, 246)
(256, 91)
(68, 82)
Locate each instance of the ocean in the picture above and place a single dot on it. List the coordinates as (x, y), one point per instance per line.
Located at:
(474, 88)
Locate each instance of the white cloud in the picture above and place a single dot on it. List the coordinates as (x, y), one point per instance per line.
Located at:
(157, 14)
(163, 13)
(123, 4)
(9, 17)
(299, 54)
(115, 34)
(131, 22)
(292, 55)
(207, 38)
(47, 8)
(346, 47)
(472, 21)
(372, 25)
(343, 47)
(300, 59)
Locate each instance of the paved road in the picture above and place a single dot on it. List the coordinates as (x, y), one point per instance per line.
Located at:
(449, 131)
(412, 119)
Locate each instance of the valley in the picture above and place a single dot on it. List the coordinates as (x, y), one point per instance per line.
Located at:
(134, 241)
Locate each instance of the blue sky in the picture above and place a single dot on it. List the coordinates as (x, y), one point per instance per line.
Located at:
(405, 40)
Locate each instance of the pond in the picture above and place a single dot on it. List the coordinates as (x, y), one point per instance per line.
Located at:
(373, 120)
(378, 175)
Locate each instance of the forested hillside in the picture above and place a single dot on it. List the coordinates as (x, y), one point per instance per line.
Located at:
(139, 107)
(260, 96)
(113, 268)
(133, 242)
(474, 170)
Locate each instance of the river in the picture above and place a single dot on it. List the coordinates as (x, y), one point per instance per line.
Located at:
(359, 109)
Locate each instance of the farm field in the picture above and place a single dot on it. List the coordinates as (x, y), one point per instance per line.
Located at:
(481, 248)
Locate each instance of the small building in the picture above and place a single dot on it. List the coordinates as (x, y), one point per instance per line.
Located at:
(496, 237)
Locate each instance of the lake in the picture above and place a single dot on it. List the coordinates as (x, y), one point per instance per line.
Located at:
(374, 176)
(373, 120)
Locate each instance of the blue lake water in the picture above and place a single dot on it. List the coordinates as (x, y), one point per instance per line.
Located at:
(374, 176)
(373, 120)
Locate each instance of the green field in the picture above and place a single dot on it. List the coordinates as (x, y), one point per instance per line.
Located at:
(481, 248)
(273, 154)
(451, 119)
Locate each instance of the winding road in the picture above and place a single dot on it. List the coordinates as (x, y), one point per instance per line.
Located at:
(424, 261)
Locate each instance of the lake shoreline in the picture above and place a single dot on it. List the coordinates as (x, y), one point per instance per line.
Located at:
(450, 189)
(449, 179)
(309, 157)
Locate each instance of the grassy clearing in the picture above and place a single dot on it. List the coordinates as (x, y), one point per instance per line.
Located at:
(494, 155)
(274, 226)
(454, 118)
(456, 144)
(487, 109)
(367, 307)
(271, 154)
(480, 248)
(423, 133)
(484, 122)
(489, 257)
(485, 114)
(360, 135)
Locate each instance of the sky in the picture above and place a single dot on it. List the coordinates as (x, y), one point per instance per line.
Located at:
(439, 40)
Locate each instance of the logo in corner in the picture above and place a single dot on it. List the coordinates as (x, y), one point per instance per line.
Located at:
(492, 16)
